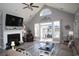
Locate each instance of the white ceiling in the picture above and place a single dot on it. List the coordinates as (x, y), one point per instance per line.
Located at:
(18, 8)
(68, 7)
(27, 13)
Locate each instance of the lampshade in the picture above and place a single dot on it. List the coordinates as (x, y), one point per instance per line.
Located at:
(70, 33)
(12, 43)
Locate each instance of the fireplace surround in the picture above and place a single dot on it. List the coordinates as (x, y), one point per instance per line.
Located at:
(12, 35)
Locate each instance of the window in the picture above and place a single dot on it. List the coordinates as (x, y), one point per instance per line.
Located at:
(36, 30)
(56, 29)
(45, 12)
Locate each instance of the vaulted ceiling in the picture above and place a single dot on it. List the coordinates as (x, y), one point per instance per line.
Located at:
(27, 13)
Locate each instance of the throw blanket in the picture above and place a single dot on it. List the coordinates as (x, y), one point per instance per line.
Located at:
(71, 44)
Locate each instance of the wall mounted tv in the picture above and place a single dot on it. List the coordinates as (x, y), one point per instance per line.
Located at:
(12, 20)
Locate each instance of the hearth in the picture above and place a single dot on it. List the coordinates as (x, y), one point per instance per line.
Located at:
(12, 37)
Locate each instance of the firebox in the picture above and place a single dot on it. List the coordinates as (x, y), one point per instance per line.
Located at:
(12, 37)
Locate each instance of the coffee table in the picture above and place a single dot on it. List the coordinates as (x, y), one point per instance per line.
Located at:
(46, 49)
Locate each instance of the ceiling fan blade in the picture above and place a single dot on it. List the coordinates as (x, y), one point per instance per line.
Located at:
(31, 4)
(36, 6)
(24, 3)
(25, 7)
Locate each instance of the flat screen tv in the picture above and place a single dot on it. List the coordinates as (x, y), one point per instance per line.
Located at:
(12, 20)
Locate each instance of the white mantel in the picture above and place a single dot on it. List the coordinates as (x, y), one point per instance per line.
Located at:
(6, 32)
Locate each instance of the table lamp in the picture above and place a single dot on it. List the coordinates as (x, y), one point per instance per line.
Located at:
(70, 33)
(13, 45)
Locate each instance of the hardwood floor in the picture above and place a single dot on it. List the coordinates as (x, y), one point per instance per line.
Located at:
(33, 49)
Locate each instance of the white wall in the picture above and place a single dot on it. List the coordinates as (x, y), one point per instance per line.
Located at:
(76, 24)
(64, 17)
(8, 30)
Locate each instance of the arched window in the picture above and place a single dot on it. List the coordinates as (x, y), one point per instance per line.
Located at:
(45, 12)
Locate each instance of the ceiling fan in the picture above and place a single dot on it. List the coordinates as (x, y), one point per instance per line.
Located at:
(30, 6)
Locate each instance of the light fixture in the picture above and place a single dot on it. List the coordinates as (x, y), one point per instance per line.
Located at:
(70, 33)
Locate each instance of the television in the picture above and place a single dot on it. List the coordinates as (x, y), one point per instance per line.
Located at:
(13, 21)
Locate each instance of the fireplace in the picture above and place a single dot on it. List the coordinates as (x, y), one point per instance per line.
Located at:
(12, 37)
